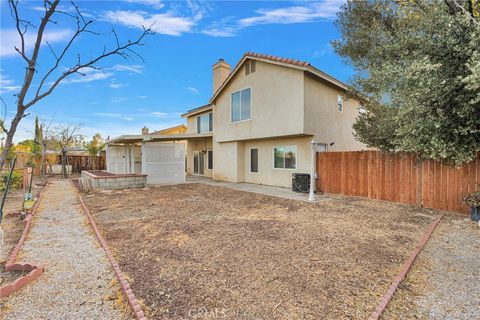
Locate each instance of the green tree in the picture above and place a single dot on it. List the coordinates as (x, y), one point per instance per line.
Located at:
(93, 147)
(421, 60)
(36, 148)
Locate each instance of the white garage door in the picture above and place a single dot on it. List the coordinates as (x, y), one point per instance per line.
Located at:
(163, 162)
(116, 159)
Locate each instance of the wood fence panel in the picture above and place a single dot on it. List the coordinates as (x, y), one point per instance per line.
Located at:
(399, 178)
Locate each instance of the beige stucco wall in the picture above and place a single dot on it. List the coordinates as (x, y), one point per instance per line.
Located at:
(228, 161)
(200, 144)
(324, 121)
(232, 161)
(277, 104)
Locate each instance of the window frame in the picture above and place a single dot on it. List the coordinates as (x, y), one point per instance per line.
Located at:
(250, 155)
(210, 122)
(285, 146)
(251, 105)
(209, 159)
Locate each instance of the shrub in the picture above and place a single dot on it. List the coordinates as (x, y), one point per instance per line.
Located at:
(472, 199)
(15, 182)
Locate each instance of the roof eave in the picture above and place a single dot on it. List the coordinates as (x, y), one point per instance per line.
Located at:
(307, 68)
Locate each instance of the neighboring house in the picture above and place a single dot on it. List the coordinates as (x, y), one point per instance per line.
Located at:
(260, 120)
(180, 129)
(263, 115)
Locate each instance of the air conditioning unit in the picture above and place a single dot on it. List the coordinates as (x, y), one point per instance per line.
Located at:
(301, 182)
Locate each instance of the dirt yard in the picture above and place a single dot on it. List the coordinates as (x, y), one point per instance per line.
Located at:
(195, 251)
(12, 227)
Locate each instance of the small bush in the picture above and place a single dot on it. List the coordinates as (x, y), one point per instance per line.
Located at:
(15, 182)
(472, 199)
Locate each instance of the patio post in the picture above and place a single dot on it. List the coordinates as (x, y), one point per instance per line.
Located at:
(311, 195)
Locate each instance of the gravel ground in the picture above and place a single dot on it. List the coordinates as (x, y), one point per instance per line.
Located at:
(195, 251)
(12, 228)
(78, 282)
(444, 282)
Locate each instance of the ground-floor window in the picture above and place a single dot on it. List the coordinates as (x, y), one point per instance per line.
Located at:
(210, 159)
(285, 157)
(254, 160)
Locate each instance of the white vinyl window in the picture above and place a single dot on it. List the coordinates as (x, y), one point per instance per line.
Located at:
(340, 103)
(250, 67)
(285, 157)
(205, 123)
(241, 107)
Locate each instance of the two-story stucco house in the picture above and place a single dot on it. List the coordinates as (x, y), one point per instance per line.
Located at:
(261, 118)
(257, 127)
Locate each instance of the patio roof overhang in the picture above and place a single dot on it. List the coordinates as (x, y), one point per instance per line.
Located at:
(129, 139)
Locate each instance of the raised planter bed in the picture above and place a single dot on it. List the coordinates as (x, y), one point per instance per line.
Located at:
(102, 180)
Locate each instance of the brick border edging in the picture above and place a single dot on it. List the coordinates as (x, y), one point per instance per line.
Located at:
(127, 290)
(382, 306)
(11, 265)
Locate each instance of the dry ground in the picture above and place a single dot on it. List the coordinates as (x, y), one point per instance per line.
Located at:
(196, 251)
(12, 228)
(444, 280)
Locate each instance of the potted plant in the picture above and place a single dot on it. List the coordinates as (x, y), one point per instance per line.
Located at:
(473, 201)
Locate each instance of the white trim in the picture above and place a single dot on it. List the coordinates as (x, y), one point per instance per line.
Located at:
(250, 160)
(296, 157)
(251, 104)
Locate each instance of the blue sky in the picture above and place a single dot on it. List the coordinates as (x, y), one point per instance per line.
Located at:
(175, 75)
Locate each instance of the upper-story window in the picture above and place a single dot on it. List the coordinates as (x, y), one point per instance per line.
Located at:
(340, 103)
(241, 105)
(250, 66)
(205, 123)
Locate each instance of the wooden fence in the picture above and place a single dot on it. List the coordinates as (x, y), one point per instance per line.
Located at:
(78, 162)
(399, 178)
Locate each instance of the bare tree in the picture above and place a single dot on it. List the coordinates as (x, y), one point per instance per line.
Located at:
(47, 81)
(66, 135)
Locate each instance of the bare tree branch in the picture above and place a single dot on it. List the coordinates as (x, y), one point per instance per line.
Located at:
(122, 50)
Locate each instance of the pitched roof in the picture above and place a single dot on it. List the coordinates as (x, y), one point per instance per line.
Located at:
(197, 110)
(181, 128)
(287, 62)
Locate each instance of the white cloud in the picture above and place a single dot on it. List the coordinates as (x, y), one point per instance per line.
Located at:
(163, 23)
(89, 75)
(142, 97)
(115, 85)
(159, 114)
(192, 90)
(115, 116)
(118, 99)
(297, 14)
(10, 39)
(155, 4)
(220, 32)
(7, 85)
(135, 68)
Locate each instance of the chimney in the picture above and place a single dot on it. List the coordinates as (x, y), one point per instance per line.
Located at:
(221, 70)
(144, 130)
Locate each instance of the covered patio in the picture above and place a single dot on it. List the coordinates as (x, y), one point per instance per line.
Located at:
(160, 157)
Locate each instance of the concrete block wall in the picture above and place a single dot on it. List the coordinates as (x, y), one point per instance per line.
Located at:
(115, 182)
